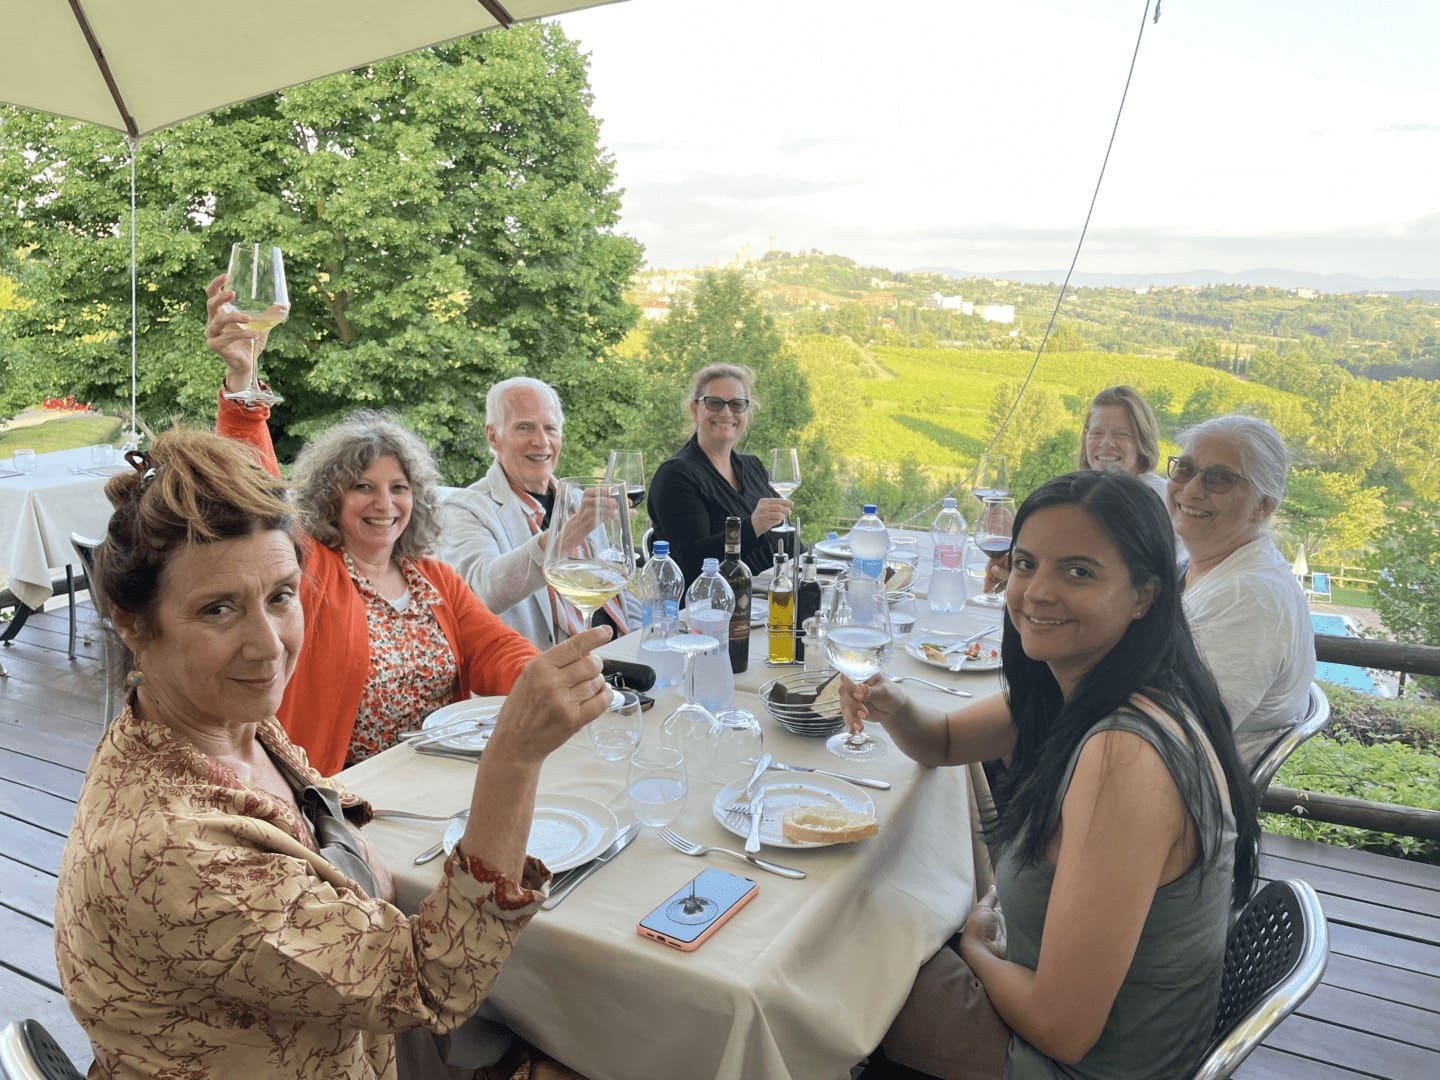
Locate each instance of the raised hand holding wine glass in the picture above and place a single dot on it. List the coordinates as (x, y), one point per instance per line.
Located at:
(256, 277)
(785, 479)
(589, 556)
(993, 529)
(857, 644)
(628, 467)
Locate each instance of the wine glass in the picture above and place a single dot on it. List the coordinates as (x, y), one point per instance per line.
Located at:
(589, 557)
(615, 733)
(628, 467)
(992, 477)
(785, 479)
(692, 728)
(256, 275)
(741, 743)
(656, 783)
(857, 644)
(993, 531)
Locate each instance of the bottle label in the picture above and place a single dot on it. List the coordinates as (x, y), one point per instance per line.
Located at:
(870, 568)
(952, 558)
(672, 611)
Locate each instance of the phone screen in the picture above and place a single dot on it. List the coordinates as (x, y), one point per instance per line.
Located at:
(698, 909)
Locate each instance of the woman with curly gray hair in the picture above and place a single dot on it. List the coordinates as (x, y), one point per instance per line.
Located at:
(390, 634)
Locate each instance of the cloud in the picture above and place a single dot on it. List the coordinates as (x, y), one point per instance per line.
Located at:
(1408, 129)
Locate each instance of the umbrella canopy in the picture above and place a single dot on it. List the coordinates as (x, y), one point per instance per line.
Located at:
(140, 65)
(1300, 568)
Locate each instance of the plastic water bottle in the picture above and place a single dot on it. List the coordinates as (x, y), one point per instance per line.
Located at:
(947, 567)
(709, 604)
(658, 589)
(869, 541)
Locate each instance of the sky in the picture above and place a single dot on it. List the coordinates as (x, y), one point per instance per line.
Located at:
(1300, 134)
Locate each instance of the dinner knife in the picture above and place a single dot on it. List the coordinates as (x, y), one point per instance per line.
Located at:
(757, 810)
(858, 781)
(622, 841)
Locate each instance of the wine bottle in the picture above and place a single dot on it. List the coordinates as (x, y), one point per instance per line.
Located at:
(737, 575)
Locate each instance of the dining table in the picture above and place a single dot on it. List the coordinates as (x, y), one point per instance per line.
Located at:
(804, 981)
(39, 510)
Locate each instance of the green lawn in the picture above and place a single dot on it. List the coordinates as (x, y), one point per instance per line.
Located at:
(61, 433)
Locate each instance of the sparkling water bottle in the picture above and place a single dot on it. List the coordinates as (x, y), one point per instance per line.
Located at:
(947, 566)
(709, 604)
(869, 541)
(658, 589)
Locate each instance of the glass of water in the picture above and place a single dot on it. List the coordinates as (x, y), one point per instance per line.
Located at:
(857, 643)
(902, 615)
(25, 461)
(656, 785)
(615, 733)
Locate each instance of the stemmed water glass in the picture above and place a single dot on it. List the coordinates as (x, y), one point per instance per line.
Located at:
(785, 479)
(993, 530)
(256, 275)
(589, 557)
(992, 477)
(857, 644)
(692, 728)
(628, 467)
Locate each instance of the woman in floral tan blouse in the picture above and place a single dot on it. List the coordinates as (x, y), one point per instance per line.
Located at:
(391, 635)
(199, 928)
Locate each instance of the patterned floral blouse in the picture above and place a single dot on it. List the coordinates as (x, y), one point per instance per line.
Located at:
(199, 933)
(412, 670)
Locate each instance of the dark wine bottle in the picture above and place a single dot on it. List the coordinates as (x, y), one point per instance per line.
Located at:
(737, 574)
(807, 600)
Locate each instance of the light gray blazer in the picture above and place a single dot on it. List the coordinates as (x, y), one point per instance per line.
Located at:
(484, 535)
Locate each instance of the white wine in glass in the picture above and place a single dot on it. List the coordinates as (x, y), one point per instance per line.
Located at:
(588, 557)
(256, 275)
(785, 479)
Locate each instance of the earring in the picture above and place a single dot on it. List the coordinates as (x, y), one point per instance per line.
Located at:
(134, 678)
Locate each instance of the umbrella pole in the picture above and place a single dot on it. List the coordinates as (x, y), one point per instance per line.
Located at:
(134, 435)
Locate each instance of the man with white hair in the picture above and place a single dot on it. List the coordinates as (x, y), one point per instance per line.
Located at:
(494, 532)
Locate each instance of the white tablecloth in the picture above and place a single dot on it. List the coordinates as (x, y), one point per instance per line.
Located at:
(38, 512)
(803, 982)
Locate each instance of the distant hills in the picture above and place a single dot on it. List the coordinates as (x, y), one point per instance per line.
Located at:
(1425, 288)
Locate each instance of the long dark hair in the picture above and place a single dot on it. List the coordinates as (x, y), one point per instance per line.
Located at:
(1155, 657)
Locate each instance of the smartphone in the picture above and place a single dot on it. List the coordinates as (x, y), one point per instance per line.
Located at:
(697, 909)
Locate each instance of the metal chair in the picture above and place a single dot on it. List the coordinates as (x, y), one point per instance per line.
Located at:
(1275, 955)
(1319, 587)
(1316, 719)
(28, 1052)
(85, 550)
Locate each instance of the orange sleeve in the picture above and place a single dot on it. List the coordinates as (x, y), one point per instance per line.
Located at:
(490, 654)
(252, 426)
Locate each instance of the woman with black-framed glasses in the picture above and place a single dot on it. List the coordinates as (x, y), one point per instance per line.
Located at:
(1247, 612)
(708, 479)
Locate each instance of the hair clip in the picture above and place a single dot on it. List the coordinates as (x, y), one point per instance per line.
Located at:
(139, 460)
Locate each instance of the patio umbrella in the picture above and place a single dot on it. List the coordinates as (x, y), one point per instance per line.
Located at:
(140, 65)
(1300, 568)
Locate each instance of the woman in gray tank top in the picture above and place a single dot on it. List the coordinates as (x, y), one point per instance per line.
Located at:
(1128, 825)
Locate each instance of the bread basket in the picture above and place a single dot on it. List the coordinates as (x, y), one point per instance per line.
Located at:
(804, 716)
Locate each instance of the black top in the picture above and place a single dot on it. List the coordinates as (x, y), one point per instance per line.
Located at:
(689, 502)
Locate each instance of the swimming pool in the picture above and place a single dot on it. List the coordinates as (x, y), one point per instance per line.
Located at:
(1340, 674)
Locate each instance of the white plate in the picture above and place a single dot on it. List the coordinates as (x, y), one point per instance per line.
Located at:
(474, 709)
(565, 831)
(784, 790)
(759, 611)
(838, 548)
(988, 660)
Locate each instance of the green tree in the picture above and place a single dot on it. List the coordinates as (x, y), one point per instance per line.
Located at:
(1407, 594)
(1040, 415)
(448, 219)
(1333, 514)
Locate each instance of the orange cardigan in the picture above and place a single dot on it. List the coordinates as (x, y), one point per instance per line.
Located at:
(319, 706)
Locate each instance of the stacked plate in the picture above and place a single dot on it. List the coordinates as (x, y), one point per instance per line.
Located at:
(805, 702)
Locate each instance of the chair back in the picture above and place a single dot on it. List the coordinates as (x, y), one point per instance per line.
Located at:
(1315, 720)
(1275, 956)
(28, 1052)
(85, 547)
(85, 551)
(1320, 586)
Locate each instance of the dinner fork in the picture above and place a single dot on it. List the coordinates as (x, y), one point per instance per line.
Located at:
(934, 686)
(689, 847)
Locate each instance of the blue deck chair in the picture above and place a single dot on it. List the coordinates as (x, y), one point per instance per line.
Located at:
(1319, 587)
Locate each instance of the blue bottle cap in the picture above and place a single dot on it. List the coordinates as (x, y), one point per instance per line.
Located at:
(660, 548)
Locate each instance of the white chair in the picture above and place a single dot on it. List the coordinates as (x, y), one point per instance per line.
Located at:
(1316, 719)
(27, 1052)
(1275, 956)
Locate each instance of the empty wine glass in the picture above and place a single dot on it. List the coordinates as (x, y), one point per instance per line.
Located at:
(656, 783)
(993, 531)
(692, 728)
(741, 742)
(785, 479)
(615, 733)
(628, 467)
(589, 557)
(857, 643)
(992, 477)
(256, 275)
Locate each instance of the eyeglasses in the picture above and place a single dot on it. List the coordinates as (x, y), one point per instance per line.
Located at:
(737, 405)
(1215, 478)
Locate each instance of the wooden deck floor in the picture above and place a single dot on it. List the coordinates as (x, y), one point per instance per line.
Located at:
(1377, 1013)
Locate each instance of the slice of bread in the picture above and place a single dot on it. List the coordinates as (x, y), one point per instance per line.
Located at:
(826, 825)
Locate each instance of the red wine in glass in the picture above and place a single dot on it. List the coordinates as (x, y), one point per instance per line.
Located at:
(635, 495)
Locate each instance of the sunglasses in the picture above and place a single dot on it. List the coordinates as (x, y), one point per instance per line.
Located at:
(1216, 479)
(737, 405)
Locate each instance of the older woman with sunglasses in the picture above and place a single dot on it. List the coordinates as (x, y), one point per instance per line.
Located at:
(1246, 610)
(707, 480)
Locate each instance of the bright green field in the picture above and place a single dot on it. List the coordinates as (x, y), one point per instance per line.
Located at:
(60, 433)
